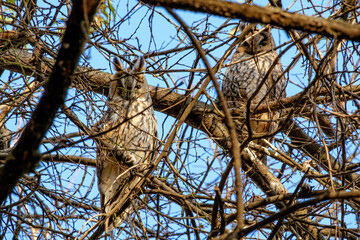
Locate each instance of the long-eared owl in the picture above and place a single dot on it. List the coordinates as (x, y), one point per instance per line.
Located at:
(251, 64)
(130, 137)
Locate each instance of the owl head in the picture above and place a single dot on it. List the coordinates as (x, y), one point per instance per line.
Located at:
(257, 42)
(129, 84)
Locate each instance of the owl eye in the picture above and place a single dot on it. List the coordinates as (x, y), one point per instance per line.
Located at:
(263, 43)
(138, 86)
(246, 44)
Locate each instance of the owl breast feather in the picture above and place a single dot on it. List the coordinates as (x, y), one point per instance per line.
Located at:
(243, 78)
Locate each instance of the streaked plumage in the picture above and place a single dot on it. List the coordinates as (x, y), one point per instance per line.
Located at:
(131, 132)
(252, 60)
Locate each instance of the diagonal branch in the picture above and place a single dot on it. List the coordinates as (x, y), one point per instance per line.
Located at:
(25, 154)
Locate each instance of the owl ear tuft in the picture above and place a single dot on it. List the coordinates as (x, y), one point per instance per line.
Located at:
(140, 65)
(242, 26)
(268, 31)
(118, 66)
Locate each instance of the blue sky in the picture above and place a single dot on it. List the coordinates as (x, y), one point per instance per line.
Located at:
(143, 34)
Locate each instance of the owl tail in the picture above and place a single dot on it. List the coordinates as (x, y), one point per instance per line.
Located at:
(122, 203)
(119, 191)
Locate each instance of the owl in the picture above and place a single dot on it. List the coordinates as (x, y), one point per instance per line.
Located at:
(129, 140)
(251, 61)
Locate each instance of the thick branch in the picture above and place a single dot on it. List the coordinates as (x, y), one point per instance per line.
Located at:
(20, 61)
(276, 17)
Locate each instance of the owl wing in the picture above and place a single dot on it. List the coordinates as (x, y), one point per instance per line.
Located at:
(279, 82)
(273, 89)
(278, 85)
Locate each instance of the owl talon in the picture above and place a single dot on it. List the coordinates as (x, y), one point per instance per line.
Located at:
(130, 159)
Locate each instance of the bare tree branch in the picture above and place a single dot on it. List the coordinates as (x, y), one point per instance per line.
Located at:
(25, 155)
(193, 190)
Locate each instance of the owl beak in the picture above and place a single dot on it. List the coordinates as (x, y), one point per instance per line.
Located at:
(249, 46)
(128, 88)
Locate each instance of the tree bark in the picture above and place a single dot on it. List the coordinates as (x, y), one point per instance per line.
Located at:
(276, 17)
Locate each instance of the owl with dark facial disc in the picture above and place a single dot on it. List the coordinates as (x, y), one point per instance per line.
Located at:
(255, 63)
